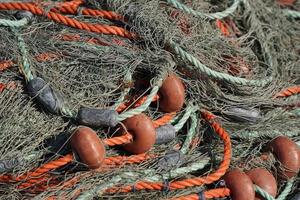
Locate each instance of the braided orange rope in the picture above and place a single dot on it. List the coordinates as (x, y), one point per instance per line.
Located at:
(288, 91)
(166, 118)
(197, 181)
(97, 28)
(224, 28)
(5, 64)
(119, 140)
(210, 194)
(73, 8)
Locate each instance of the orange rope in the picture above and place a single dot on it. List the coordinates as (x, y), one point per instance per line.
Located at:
(97, 28)
(2, 87)
(166, 118)
(119, 140)
(73, 8)
(197, 181)
(224, 28)
(10, 85)
(108, 163)
(210, 194)
(5, 64)
(288, 91)
(43, 57)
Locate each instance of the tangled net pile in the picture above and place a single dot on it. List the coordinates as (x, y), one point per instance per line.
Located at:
(150, 99)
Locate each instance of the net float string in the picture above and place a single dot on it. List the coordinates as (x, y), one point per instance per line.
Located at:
(197, 181)
(117, 161)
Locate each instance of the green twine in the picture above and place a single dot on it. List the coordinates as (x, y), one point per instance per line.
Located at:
(191, 133)
(190, 109)
(14, 23)
(25, 67)
(283, 194)
(292, 13)
(145, 105)
(131, 178)
(217, 15)
(217, 75)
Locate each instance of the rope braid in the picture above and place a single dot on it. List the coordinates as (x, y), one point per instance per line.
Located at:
(218, 15)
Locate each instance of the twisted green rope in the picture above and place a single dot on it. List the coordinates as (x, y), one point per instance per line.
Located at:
(217, 15)
(217, 75)
(283, 194)
(132, 177)
(263, 193)
(141, 108)
(287, 190)
(25, 67)
(292, 13)
(191, 133)
(190, 109)
(14, 23)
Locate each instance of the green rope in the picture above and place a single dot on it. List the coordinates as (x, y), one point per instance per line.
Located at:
(211, 73)
(14, 23)
(217, 15)
(132, 177)
(283, 194)
(292, 13)
(25, 67)
(144, 106)
(191, 133)
(263, 193)
(287, 190)
(188, 112)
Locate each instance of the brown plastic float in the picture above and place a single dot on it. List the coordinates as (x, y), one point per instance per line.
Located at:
(88, 146)
(172, 93)
(240, 185)
(287, 153)
(265, 180)
(143, 132)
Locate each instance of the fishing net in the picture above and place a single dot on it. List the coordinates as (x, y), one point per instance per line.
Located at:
(238, 62)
